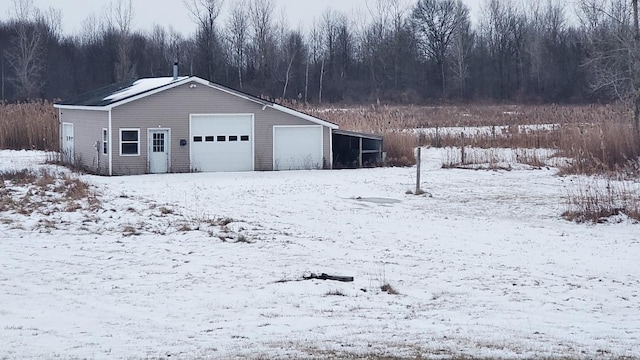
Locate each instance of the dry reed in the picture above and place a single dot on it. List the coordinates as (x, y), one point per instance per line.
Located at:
(597, 137)
(29, 126)
(598, 201)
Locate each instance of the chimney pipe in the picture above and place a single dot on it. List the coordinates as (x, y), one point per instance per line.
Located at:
(175, 70)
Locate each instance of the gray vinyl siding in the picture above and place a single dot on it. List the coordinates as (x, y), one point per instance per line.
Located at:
(87, 130)
(171, 109)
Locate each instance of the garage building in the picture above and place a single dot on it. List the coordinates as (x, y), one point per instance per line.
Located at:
(187, 124)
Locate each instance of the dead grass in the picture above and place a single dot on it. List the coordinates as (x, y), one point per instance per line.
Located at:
(44, 191)
(599, 201)
(605, 148)
(335, 293)
(29, 126)
(399, 148)
(389, 289)
(598, 137)
(130, 230)
(377, 119)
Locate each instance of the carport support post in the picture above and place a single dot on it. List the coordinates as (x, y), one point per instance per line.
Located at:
(418, 160)
(360, 156)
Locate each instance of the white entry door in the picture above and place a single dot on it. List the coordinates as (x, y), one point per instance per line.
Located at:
(68, 147)
(159, 145)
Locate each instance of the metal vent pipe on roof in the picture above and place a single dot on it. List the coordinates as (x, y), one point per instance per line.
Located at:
(175, 70)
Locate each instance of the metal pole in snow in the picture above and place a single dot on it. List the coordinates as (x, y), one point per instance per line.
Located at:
(419, 160)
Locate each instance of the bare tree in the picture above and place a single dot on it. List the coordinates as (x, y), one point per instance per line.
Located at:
(547, 26)
(315, 54)
(90, 30)
(292, 50)
(503, 30)
(261, 16)
(614, 42)
(25, 56)
(238, 25)
(119, 19)
(204, 13)
(436, 23)
(635, 50)
(376, 38)
(461, 48)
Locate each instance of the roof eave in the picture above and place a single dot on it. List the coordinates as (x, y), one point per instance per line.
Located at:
(81, 107)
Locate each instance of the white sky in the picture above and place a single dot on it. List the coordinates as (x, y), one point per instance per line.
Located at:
(173, 12)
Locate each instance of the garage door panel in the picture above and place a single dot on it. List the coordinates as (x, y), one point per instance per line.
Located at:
(222, 143)
(297, 147)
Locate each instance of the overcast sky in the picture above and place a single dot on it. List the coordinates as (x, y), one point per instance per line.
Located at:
(173, 12)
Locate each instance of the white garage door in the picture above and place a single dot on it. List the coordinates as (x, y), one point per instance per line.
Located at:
(297, 147)
(221, 143)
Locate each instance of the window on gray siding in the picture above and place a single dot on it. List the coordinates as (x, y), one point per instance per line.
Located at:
(129, 142)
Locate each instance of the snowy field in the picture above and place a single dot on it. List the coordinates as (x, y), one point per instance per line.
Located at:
(211, 266)
(475, 131)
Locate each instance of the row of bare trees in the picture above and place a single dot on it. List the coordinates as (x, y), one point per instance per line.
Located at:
(395, 51)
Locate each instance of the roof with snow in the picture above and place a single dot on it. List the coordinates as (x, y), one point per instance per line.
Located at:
(114, 93)
(111, 96)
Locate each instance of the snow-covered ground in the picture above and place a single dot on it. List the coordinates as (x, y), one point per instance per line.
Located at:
(472, 131)
(211, 265)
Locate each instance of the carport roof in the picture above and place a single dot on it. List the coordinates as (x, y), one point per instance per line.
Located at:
(358, 134)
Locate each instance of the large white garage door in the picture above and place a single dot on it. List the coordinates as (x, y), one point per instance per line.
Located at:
(297, 147)
(221, 143)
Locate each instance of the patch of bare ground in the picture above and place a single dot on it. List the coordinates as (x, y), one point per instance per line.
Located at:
(36, 200)
(44, 192)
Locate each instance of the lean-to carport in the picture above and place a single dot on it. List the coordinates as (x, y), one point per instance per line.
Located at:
(353, 150)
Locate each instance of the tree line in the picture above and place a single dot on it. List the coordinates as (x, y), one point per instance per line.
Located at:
(413, 51)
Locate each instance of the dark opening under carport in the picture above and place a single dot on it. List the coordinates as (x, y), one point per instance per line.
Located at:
(353, 150)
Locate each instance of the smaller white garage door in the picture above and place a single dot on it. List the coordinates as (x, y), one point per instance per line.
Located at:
(297, 147)
(221, 143)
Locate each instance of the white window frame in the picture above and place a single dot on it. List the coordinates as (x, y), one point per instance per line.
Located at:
(105, 141)
(121, 130)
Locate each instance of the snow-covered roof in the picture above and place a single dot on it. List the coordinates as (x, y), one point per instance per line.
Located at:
(102, 98)
(108, 97)
(141, 86)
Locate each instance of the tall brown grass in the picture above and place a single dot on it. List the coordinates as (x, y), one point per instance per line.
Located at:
(29, 126)
(598, 138)
(606, 148)
(597, 202)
